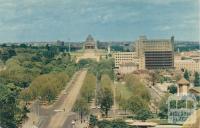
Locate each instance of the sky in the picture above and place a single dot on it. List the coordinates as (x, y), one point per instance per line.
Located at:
(105, 20)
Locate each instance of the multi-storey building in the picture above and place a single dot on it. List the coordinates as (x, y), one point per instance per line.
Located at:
(155, 54)
(124, 58)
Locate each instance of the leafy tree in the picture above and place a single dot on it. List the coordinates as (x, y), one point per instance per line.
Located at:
(106, 101)
(106, 67)
(87, 90)
(136, 103)
(113, 124)
(93, 121)
(186, 75)
(197, 79)
(25, 95)
(81, 106)
(143, 114)
(163, 107)
(172, 89)
(124, 103)
(48, 86)
(137, 87)
(23, 46)
(8, 107)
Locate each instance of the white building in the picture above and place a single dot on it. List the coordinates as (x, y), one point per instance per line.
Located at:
(124, 58)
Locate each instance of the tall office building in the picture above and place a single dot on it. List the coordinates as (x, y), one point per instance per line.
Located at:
(155, 54)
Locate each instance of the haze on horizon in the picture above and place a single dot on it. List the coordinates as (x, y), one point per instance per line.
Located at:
(106, 20)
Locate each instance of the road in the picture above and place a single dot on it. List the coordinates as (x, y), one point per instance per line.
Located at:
(57, 120)
(48, 117)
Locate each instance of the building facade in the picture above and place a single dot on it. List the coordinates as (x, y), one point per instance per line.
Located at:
(155, 54)
(190, 65)
(90, 43)
(122, 58)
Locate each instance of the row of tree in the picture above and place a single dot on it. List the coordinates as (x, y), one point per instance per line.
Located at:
(46, 87)
(138, 103)
(87, 93)
(105, 96)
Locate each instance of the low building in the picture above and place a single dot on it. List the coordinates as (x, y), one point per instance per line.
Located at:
(183, 86)
(127, 68)
(188, 64)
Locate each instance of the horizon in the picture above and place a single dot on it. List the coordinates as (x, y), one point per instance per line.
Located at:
(106, 20)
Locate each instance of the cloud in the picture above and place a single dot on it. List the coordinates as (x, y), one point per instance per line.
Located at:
(80, 17)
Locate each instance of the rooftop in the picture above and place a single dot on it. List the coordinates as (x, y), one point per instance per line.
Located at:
(183, 81)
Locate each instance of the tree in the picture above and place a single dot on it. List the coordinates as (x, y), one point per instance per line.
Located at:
(136, 103)
(81, 106)
(87, 90)
(163, 107)
(137, 87)
(172, 89)
(113, 124)
(197, 79)
(124, 104)
(143, 114)
(186, 75)
(48, 86)
(106, 101)
(93, 121)
(8, 107)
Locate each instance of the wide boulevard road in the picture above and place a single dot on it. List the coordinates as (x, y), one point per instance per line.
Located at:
(59, 114)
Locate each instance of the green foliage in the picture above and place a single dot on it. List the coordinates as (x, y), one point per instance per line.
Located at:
(5, 54)
(25, 65)
(48, 86)
(124, 104)
(113, 124)
(196, 79)
(106, 67)
(172, 89)
(136, 103)
(163, 107)
(88, 88)
(86, 95)
(93, 121)
(137, 87)
(8, 107)
(51, 52)
(186, 75)
(143, 114)
(105, 95)
(82, 107)
(86, 63)
(106, 101)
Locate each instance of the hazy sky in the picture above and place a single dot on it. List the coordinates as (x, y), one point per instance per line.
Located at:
(49, 20)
